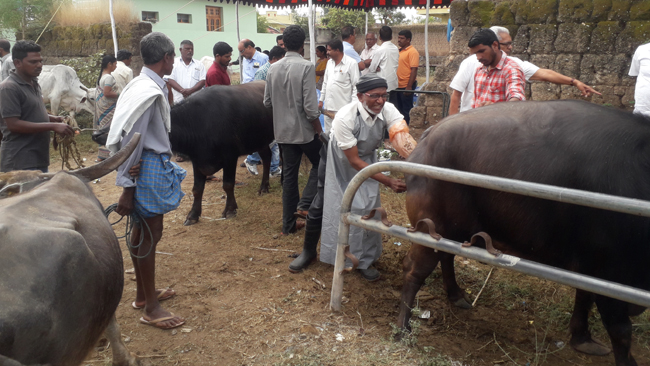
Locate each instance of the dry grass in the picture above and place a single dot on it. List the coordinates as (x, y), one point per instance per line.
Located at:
(84, 14)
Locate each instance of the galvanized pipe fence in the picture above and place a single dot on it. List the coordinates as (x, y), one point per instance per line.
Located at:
(566, 195)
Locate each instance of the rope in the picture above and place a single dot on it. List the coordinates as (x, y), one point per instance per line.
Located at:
(132, 219)
(68, 147)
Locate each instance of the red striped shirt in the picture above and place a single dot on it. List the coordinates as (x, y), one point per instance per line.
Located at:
(503, 82)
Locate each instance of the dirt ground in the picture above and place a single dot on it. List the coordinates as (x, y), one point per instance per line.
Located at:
(243, 307)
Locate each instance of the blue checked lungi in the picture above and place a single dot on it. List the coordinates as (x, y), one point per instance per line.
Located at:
(158, 188)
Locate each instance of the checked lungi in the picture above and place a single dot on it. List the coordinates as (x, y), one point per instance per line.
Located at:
(159, 185)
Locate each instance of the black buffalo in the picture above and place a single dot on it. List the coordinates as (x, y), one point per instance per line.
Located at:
(215, 127)
(61, 276)
(571, 144)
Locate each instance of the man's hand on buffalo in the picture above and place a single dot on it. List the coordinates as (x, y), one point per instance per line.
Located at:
(125, 204)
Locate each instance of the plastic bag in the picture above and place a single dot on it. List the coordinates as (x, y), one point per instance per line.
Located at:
(401, 140)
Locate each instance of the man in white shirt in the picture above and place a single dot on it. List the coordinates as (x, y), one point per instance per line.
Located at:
(339, 83)
(123, 73)
(369, 51)
(349, 37)
(463, 82)
(188, 76)
(640, 69)
(6, 62)
(385, 60)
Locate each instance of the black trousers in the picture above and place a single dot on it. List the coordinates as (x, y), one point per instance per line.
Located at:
(291, 157)
(316, 208)
(404, 103)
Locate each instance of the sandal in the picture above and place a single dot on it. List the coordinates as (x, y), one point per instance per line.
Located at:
(155, 322)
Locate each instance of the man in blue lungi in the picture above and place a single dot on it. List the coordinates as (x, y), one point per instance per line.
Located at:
(143, 108)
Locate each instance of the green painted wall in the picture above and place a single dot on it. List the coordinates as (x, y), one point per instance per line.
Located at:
(197, 31)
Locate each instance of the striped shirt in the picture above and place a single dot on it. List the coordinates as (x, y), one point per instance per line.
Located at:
(503, 82)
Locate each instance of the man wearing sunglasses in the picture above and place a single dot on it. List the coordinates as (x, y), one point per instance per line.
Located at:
(356, 132)
(463, 82)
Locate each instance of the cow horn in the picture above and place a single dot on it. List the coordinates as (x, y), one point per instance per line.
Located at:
(110, 164)
(83, 87)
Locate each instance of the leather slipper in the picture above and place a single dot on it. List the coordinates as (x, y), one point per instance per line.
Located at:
(155, 322)
(163, 294)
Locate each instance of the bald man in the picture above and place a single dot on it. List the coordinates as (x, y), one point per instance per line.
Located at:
(253, 60)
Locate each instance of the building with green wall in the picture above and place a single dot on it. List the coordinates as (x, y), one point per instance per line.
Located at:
(203, 22)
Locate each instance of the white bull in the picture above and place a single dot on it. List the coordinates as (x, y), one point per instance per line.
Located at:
(62, 89)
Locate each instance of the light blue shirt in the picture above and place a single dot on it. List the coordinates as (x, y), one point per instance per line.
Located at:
(348, 49)
(251, 66)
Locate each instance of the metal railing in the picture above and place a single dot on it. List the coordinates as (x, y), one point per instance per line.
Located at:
(566, 195)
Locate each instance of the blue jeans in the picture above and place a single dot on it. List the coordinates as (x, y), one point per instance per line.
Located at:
(254, 158)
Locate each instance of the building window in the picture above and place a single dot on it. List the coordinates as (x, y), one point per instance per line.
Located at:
(150, 16)
(213, 18)
(184, 18)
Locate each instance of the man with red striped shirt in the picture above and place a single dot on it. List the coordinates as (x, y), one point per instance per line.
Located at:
(499, 79)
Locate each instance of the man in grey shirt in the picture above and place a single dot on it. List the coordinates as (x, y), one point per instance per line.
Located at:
(291, 92)
(24, 121)
(6, 62)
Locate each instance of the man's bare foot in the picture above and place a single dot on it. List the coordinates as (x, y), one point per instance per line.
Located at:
(161, 293)
(161, 318)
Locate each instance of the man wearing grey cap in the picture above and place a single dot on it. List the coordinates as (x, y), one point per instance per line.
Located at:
(357, 131)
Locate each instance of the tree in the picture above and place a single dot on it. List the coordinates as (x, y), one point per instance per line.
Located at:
(432, 19)
(300, 20)
(390, 17)
(262, 24)
(335, 19)
(25, 15)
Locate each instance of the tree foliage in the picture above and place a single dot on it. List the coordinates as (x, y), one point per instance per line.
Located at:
(24, 16)
(262, 24)
(335, 19)
(391, 17)
(300, 20)
(432, 19)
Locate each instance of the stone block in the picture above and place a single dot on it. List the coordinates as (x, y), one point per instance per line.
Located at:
(460, 38)
(449, 69)
(601, 9)
(575, 11)
(433, 100)
(521, 40)
(640, 10)
(502, 14)
(434, 115)
(544, 91)
(603, 37)
(603, 69)
(96, 31)
(608, 97)
(627, 100)
(571, 92)
(620, 10)
(635, 34)
(89, 46)
(537, 11)
(480, 13)
(568, 64)
(522, 56)
(542, 38)
(458, 13)
(544, 61)
(418, 116)
(573, 38)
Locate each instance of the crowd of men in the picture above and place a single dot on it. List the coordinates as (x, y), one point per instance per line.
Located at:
(367, 99)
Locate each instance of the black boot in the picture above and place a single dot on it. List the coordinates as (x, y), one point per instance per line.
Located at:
(308, 255)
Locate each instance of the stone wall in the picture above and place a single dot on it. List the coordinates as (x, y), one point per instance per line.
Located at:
(80, 42)
(590, 40)
(438, 45)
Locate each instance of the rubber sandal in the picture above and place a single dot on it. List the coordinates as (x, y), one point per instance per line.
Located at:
(154, 322)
